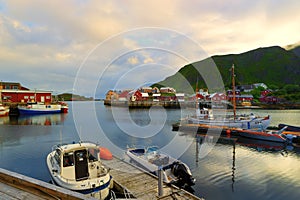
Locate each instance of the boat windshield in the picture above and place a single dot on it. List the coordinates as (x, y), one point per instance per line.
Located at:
(152, 149)
(93, 154)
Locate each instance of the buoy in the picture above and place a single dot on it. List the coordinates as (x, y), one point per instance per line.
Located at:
(105, 153)
(228, 132)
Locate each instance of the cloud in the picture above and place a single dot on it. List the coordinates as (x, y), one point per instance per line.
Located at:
(133, 60)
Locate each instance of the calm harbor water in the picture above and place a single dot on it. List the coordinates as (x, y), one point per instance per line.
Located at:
(250, 170)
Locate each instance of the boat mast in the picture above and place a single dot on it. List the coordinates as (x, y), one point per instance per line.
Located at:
(197, 103)
(233, 92)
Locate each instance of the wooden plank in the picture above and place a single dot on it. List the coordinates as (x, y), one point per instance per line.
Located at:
(142, 184)
(36, 187)
(8, 192)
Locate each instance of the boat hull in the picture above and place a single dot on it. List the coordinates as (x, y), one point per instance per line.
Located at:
(39, 109)
(262, 136)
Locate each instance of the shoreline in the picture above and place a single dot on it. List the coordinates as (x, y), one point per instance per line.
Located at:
(189, 104)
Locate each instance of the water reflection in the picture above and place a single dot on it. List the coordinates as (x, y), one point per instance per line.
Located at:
(42, 120)
(261, 145)
(200, 139)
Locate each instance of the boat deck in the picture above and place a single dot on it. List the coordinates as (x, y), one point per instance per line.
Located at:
(141, 184)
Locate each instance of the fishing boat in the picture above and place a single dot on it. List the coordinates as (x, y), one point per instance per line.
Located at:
(4, 111)
(273, 136)
(243, 121)
(151, 159)
(205, 116)
(39, 108)
(78, 167)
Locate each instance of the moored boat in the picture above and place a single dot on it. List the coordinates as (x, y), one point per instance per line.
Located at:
(78, 167)
(39, 108)
(64, 107)
(205, 116)
(244, 121)
(174, 171)
(274, 136)
(4, 111)
(289, 127)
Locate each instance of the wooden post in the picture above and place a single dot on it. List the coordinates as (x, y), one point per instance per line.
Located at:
(160, 182)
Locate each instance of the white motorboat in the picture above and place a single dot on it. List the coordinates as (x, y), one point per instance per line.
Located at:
(151, 159)
(78, 167)
(4, 110)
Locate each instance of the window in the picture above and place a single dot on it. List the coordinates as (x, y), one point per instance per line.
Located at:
(57, 156)
(68, 159)
(26, 97)
(93, 154)
(15, 87)
(31, 97)
(48, 97)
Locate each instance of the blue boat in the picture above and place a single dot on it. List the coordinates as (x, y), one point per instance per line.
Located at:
(35, 108)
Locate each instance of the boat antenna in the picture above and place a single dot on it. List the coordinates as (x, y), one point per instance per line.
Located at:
(233, 91)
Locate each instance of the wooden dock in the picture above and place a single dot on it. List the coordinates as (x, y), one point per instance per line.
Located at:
(15, 186)
(132, 181)
(141, 184)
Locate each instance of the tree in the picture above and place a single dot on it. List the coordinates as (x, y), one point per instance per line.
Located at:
(257, 91)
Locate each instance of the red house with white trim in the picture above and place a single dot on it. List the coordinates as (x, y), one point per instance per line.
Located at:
(24, 96)
(15, 93)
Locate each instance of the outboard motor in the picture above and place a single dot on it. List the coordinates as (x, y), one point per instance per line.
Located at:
(183, 173)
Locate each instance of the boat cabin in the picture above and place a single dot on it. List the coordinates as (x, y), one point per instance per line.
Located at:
(78, 163)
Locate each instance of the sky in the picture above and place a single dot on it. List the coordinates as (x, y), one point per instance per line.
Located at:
(88, 47)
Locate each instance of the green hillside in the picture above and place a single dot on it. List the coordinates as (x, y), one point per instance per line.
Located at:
(271, 65)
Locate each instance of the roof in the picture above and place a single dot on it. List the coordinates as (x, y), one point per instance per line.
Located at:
(26, 91)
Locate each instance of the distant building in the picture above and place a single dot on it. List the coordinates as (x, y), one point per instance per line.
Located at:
(137, 95)
(203, 92)
(266, 97)
(156, 97)
(12, 92)
(167, 90)
(124, 95)
(12, 86)
(245, 88)
(24, 96)
(155, 90)
(111, 95)
(239, 98)
(146, 89)
(269, 99)
(180, 97)
(217, 97)
(260, 85)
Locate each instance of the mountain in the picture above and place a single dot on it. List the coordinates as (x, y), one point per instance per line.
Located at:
(270, 65)
(294, 48)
